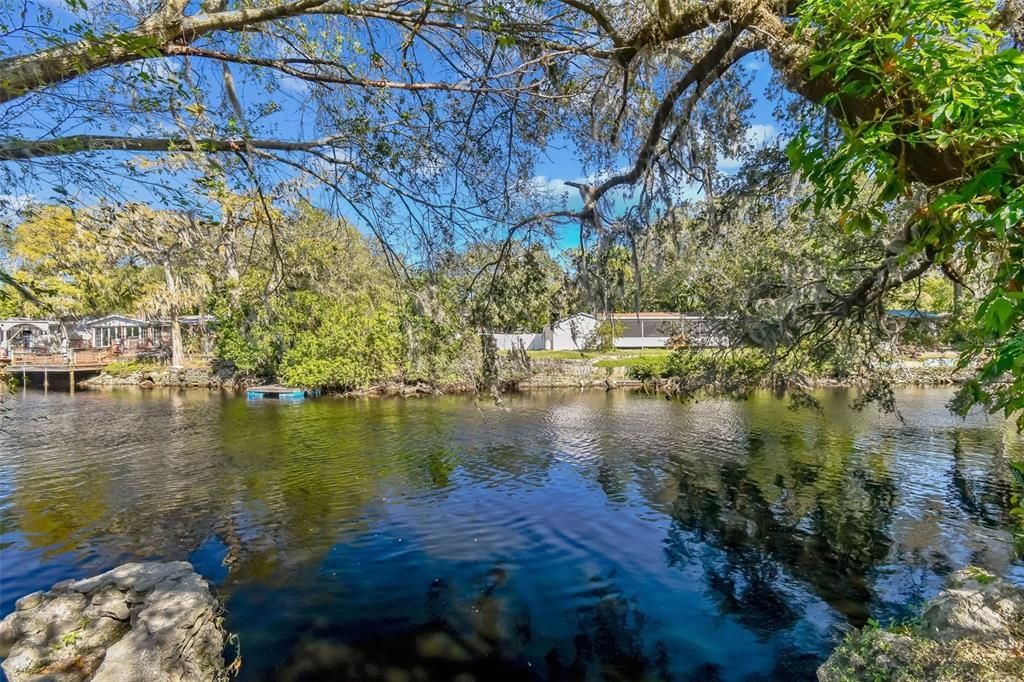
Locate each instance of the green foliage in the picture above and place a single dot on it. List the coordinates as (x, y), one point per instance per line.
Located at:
(355, 344)
(72, 267)
(442, 345)
(123, 368)
(647, 368)
(12, 303)
(931, 293)
(982, 576)
(70, 639)
(518, 285)
(948, 93)
(602, 338)
(634, 358)
(1017, 502)
(323, 311)
(729, 371)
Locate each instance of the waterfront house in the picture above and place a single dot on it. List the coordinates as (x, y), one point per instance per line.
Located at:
(639, 330)
(106, 331)
(112, 335)
(23, 333)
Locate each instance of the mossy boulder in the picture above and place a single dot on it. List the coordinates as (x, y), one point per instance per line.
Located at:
(973, 630)
(156, 622)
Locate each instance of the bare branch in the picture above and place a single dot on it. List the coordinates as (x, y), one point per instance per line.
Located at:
(73, 144)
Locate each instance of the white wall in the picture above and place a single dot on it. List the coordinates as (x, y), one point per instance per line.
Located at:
(640, 342)
(510, 341)
(559, 336)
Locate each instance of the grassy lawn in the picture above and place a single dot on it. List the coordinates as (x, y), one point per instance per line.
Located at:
(617, 358)
(633, 360)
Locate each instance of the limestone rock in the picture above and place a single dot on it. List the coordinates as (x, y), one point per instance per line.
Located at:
(977, 606)
(152, 622)
(973, 630)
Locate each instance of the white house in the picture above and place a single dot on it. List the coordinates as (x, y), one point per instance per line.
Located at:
(121, 332)
(570, 333)
(22, 332)
(639, 330)
(653, 330)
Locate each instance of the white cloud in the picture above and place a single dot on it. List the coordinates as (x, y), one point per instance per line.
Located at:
(761, 134)
(293, 85)
(756, 136)
(549, 186)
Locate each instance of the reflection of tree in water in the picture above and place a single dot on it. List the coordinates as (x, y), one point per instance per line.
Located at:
(489, 638)
(460, 641)
(985, 499)
(822, 523)
(277, 487)
(610, 642)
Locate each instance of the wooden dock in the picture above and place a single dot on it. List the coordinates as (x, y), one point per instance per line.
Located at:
(279, 392)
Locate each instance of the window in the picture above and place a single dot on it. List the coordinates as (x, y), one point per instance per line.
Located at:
(630, 326)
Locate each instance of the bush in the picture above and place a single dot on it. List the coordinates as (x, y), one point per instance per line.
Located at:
(604, 335)
(646, 369)
(355, 344)
(123, 368)
(733, 370)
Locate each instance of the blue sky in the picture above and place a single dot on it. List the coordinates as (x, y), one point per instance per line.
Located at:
(560, 162)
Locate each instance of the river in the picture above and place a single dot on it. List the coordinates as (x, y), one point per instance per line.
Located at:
(562, 535)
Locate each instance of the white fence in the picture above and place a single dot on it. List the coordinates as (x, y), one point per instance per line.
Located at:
(510, 341)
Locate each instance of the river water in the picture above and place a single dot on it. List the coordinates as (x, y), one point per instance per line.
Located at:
(564, 535)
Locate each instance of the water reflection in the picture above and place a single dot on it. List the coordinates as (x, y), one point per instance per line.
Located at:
(568, 535)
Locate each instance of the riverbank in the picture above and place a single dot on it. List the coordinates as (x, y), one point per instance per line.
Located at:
(140, 621)
(973, 630)
(594, 370)
(148, 375)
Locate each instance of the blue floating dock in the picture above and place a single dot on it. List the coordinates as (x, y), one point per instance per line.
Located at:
(278, 392)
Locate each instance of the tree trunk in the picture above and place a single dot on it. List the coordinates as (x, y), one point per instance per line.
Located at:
(234, 276)
(177, 345)
(202, 328)
(163, 33)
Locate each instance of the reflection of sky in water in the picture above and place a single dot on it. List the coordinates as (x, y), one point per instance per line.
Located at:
(563, 535)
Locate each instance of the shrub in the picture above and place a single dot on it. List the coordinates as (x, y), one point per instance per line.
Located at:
(355, 344)
(646, 369)
(123, 368)
(604, 335)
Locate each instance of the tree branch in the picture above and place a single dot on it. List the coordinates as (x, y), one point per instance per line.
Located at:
(24, 150)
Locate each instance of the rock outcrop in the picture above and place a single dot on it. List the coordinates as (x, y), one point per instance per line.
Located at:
(973, 630)
(152, 622)
(219, 376)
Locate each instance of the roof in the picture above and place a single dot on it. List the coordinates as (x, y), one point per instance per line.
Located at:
(646, 316)
(574, 315)
(25, 320)
(195, 319)
(113, 317)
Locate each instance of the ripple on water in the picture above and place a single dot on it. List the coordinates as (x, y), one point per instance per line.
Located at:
(564, 535)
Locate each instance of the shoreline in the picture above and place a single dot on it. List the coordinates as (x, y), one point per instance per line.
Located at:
(556, 374)
(540, 373)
